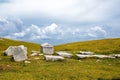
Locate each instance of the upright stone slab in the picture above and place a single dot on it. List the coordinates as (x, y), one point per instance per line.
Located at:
(47, 48)
(20, 53)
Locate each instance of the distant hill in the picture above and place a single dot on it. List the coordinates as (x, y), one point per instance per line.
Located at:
(105, 46)
(5, 43)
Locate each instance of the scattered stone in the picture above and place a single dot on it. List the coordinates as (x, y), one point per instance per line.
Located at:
(20, 53)
(98, 60)
(116, 55)
(79, 60)
(81, 56)
(53, 58)
(47, 48)
(34, 54)
(86, 52)
(36, 58)
(27, 62)
(103, 56)
(64, 54)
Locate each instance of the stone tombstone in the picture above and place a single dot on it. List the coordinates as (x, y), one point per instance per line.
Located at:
(47, 48)
(20, 53)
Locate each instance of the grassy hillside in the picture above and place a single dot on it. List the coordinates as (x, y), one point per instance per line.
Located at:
(105, 46)
(5, 43)
(70, 69)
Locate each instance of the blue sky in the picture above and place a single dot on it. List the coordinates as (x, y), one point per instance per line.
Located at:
(59, 21)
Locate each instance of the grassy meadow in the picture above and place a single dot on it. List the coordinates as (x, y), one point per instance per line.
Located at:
(105, 46)
(70, 69)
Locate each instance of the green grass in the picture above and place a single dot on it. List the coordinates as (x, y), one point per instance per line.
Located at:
(70, 69)
(105, 46)
(5, 43)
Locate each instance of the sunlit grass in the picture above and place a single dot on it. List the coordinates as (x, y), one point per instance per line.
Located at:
(70, 69)
(105, 46)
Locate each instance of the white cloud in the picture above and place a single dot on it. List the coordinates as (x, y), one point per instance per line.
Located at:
(12, 28)
(97, 31)
(70, 10)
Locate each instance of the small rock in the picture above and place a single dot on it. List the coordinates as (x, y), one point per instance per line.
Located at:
(27, 62)
(98, 60)
(34, 54)
(79, 60)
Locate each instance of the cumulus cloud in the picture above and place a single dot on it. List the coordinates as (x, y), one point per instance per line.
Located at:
(97, 31)
(53, 33)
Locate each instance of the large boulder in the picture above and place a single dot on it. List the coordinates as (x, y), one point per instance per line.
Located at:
(9, 51)
(53, 58)
(20, 53)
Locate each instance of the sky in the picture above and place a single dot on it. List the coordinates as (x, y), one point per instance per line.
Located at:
(59, 21)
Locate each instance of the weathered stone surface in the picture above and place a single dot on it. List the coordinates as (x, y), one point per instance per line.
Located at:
(53, 58)
(86, 53)
(116, 55)
(97, 56)
(64, 54)
(81, 56)
(103, 56)
(20, 53)
(47, 48)
(9, 51)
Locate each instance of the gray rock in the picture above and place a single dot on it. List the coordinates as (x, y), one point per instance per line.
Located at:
(116, 55)
(34, 54)
(9, 51)
(103, 56)
(47, 48)
(81, 56)
(86, 53)
(64, 54)
(20, 53)
(53, 58)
